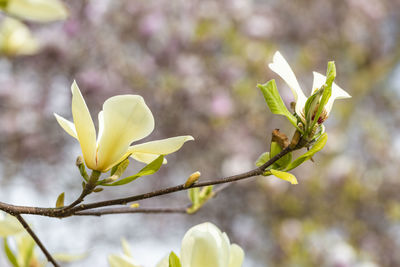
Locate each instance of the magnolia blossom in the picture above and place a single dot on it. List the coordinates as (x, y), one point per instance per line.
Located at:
(37, 10)
(123, 120)
(205, 245)
(16, 38)
(282, 68)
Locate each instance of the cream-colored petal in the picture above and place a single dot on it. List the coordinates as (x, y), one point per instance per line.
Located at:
(68, 126)
(337, 92)
(121, 261)
(204, 245)
(145, 158)
(37, 10)
(280, 66)
(9, 225)
(164, 262)
(101, 126)
(161, 147)
(236, 256)
(84, 127)
(126, 119)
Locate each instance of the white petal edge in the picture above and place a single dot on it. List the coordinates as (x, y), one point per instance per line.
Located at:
(280, 66)
(68, 126)
(126, 119)
(236, 256)
(164, 262)
(84, 127)
(337, 92)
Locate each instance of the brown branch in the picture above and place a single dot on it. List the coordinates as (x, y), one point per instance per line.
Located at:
(127, 210)
(122, 201)
(36, 239)
(74, 208)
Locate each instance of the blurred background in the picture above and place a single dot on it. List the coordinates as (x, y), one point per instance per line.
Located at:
(197, 64)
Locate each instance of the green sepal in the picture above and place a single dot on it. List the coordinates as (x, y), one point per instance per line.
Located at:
(150, 169)
(120, 167)
(275, 102)
(319, 144)
(82, 171)
(174, 260)
(10, 255)
(60, 200)
(284, 176)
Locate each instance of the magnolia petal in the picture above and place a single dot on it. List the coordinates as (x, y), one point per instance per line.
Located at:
(144, 157)
(68, 126)
(121, 261)
(280, 66)
(204, 245)
(164, 262)
(236, 256)
(161, 147)
(126, 119)
(337, 92)
(101, 126)
(37, 10)
(84, 126)
(9, 225)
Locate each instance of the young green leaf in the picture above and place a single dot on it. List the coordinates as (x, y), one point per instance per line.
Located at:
(10, 255)
(306, 156)
(284, 176)
(275, 102)
(262, 159)
(60, 200)
(150, 169)
(174, 260)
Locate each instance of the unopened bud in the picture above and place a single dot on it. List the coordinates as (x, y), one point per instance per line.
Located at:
(98, 189)
(79, 161)
(280, 138)
(134, 205)
(111, 179)
(295, 139)
(192, 179)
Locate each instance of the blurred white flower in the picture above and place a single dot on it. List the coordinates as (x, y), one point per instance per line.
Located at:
(36, 10)
(16, 38)
(122, 260)
(205, 245)
(123, 120)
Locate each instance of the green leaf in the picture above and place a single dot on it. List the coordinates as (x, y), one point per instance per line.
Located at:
(275, 102)
(306, 156)
(262, 159)
(284, 176)
(330, 73)
(60, 200)
(10, 255)
(174, 260)
(194, 195)
(150, 169)
(283, 161)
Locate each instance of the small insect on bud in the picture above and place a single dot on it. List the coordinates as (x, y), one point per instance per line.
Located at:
(192, 179)
(79, 161)
(134, 205)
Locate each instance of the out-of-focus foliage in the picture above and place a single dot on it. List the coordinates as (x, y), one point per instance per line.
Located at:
(196, 63)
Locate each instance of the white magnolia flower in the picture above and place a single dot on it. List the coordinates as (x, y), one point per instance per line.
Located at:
(123, 260)
(123, 120)
(282, 68)
(205, 245)
(16, 38)
(37, 10)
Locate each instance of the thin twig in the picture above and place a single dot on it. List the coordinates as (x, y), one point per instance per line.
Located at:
(107, 211)
(37, 240)
(75, 207)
